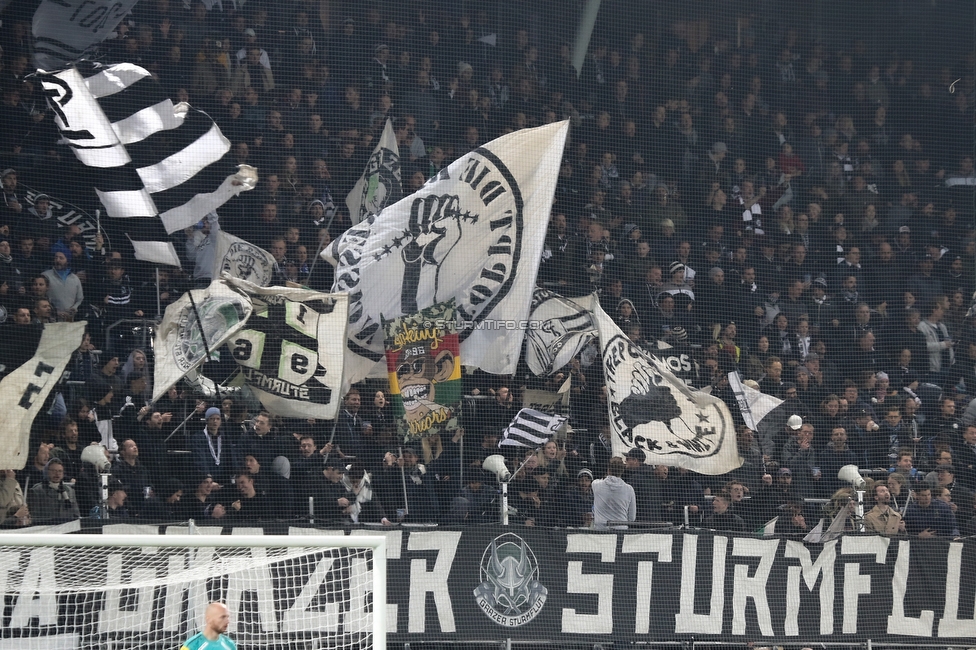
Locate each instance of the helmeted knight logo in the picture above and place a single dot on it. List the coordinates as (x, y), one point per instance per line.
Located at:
(217, 315)
(246, 261)
(460, 236)
(510, 593)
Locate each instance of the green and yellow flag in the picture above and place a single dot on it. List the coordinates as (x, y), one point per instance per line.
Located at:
(424, 363)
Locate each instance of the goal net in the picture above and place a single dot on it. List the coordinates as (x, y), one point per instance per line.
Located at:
(146, 591)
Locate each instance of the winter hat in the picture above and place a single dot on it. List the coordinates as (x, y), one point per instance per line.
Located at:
(59, 247)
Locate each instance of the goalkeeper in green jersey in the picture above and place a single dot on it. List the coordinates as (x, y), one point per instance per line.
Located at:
(212, 636)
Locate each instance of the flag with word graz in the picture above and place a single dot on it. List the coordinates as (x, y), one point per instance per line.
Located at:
(652, 410)
(474, 233)
(32, 360)
(291, 349)
(424, 362)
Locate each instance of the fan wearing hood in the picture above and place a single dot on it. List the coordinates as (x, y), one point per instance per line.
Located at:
(626, 314)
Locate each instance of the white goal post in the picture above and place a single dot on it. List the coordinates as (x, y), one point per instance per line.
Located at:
(150, 591)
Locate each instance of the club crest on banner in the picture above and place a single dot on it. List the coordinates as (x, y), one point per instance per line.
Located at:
(510, 593)
(218, 315)
(248, 262)
(382, 186)
(653, 414)
(564, 327)
(424, 364)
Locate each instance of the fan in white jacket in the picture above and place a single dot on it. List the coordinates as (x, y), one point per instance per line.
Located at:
(613, 499)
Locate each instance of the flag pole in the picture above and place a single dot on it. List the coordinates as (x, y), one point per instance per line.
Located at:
(203, 335)
(320, 247)
(159, 304)
(403, 479)
(335, 423)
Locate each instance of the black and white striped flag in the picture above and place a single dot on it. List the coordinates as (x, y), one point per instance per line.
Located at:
(150, 158)
(531, 428)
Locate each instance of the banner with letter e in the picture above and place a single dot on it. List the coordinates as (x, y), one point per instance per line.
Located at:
(290, 352)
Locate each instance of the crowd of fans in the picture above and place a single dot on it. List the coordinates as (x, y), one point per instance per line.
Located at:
(749, 200)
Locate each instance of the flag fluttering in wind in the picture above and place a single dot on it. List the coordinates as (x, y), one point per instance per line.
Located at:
(473, 233)
(531, 428)
(652, 410)
(380, 185)
(158, 165)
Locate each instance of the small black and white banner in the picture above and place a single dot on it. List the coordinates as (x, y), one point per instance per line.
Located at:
(531, 428)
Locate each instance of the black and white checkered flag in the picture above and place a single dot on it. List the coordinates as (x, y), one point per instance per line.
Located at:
(531, 428)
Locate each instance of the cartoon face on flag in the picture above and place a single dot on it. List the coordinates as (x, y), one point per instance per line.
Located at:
(424, 363)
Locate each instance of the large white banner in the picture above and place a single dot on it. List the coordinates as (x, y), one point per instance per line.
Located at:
(652, 410)
(220, 312)
(380, 184)
(474, 233)
(24, 389)
(291, 351)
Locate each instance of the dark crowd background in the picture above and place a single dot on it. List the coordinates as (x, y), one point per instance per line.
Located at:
(785, 189)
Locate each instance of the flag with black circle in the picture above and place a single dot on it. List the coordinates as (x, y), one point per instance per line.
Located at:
(474, 233)
(652, 410)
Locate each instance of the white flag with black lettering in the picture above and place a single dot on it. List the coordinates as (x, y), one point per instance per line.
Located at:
(34, 359)
(654, 411)
(531, 428)
(753, 404)
(291, 351)
(473, 233)
(64, 30)
(380, 184)
(192, 327)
